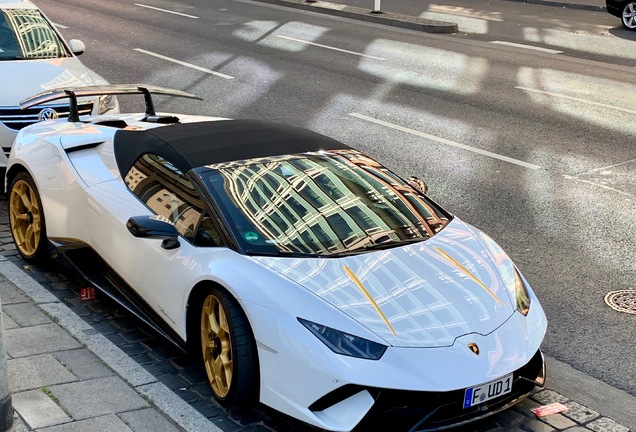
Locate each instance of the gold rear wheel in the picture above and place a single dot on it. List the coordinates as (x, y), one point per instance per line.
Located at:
(26, 218)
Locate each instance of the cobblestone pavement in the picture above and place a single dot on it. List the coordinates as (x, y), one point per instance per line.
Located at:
(186, 378)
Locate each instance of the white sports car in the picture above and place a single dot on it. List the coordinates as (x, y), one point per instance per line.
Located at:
(304, 274)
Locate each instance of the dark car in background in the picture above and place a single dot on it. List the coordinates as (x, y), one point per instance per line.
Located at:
(625, 10)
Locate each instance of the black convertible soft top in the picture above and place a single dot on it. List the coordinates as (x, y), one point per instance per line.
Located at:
(191, 145)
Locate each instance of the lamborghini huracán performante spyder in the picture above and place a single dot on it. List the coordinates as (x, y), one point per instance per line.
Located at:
(305, 274)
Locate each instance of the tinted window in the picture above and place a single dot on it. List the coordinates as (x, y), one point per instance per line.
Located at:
(167, 192)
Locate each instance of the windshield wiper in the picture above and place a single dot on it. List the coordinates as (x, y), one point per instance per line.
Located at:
(389, 245)
(338, 254)
(283, 253)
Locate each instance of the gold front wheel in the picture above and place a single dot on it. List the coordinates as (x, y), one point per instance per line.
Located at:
(229, 348)
(26, 218)
(216, 343)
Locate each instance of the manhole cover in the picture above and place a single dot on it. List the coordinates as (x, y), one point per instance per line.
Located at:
(622, 301)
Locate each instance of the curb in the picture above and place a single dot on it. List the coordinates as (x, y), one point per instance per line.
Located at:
(563, 5)
(364, 14)
(140, 380)
(406, 21)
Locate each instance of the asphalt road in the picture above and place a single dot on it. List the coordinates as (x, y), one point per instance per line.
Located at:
(535, 148)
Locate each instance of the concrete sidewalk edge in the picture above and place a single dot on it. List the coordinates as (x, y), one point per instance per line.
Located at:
(140, 380)
(563, 4)
(386, 18)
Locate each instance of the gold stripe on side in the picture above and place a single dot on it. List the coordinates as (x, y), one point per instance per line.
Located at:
(356, 281)
(469, 274)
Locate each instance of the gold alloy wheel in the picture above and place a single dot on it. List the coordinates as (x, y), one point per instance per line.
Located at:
(24, 215)
(216, 345)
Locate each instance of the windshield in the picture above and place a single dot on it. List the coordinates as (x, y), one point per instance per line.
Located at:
(26, 34)
(327, 203)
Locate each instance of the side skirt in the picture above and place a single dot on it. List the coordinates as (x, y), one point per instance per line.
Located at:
(99, 274)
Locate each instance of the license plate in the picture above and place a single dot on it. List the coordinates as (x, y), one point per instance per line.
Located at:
(485, 392)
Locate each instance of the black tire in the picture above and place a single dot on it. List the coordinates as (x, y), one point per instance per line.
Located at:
(26, 219)
(228, 348)
(628, 16)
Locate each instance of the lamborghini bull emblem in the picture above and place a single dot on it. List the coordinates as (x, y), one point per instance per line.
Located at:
(474, 348)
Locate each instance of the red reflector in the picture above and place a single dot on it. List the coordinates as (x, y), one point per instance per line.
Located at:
(87, 294)
(545, 410)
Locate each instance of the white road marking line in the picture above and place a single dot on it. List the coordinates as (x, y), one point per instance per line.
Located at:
(445, 141)
(548, 50)
(605, 168)
(166, 10)
(179, 62)
(60, 26)
(330, 47)
(598, 185)
(627, 110)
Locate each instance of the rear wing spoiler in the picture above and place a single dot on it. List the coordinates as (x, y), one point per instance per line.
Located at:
(73, 93)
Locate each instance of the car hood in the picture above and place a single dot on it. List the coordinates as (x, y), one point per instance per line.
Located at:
(24, 78)
(425, 294)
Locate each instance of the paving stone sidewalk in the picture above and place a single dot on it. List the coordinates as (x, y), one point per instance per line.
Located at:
(58, 383)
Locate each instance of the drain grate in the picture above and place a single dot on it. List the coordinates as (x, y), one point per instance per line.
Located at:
(622, 301)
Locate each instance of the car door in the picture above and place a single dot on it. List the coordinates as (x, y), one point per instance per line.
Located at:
(156, 274)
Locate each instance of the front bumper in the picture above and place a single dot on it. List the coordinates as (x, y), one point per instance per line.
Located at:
(301, 377)
(416, 411)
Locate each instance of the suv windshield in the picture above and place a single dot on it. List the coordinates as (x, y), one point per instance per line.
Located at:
(326, 204)
(26, 34)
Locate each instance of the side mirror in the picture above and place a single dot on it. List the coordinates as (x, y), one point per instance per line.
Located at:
(77, 46)
(417, 184)
(154, 227)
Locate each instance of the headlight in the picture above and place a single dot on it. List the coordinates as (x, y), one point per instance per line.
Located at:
(106, 103)
(345, 343)
(521, 293)
(510, 275)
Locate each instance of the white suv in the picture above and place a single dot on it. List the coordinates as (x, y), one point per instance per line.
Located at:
(34, 58)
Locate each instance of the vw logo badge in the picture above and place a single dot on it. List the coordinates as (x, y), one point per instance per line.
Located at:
(47, 114)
